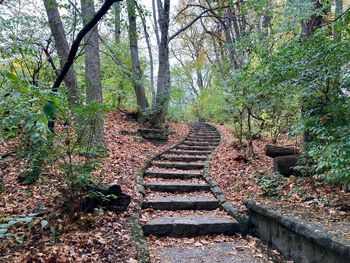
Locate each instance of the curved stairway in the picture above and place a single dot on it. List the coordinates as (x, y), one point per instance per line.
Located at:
(176, 182)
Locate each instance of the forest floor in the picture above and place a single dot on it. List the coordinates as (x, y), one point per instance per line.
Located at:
(106, 236)
(101, 236)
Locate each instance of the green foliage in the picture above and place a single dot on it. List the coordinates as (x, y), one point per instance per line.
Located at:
(272, 184)
(330, 147)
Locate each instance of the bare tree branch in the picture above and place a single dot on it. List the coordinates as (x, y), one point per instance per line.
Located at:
(192, 22)
(76, 43)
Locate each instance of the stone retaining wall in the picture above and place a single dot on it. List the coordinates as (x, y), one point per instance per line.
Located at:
(295, 240)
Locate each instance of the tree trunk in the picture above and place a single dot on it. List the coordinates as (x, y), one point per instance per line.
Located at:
(62, 48)
(117, 22)
(250, 135)
(163, 85)
(156, 30)
(315, 21)
(92, 75)
(338, 12)
(136, 67)
(275, 151)
(149, 48)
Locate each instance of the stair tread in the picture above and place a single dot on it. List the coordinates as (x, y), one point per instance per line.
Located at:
(179, 186)
(188, 226)
(172, 203)
(177, 199)
(179, 183)
(184, 152)
(192, 219)
(179, 165)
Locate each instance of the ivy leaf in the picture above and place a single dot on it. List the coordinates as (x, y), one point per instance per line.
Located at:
(43, 223)
(50, 110)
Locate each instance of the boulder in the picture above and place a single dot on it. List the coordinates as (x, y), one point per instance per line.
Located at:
(284, 164)
(154, 134)
(109, 197)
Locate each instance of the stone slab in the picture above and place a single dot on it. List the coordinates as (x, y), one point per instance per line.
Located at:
(177, 187)
(191, 143)
(181, 203)
(183, 158)
(184, 152)
(181, 166)
(225, 252)
(189, 226)
(173, 175)
(195, 148)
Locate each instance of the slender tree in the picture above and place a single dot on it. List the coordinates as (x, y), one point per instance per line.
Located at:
(92, 73)
(117, 21)
(136, 66)
(62, 48)
(163, 84)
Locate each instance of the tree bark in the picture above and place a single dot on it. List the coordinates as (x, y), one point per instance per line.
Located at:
(314, 22)
(338, 12)
(117, 22)
(275, 151)
(163, 85)
(150, 54)
(62, 48)
(156, 30)
(136, 66)
(92, 74)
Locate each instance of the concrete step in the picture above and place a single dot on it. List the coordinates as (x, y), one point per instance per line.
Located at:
(173, 175)
(180, 166)
(190, 226)
(179, 158)
(191, 143)
(198, 139)
(172, 202)
(181, 187)
(184, 152)
(195, 148)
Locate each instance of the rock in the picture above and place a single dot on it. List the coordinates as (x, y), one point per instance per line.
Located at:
(276, 151)
(139, 140)
(284, 164)
(109, 197)
(129, 133)
(154, 134)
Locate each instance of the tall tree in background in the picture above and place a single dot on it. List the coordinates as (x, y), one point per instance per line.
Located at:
(62, 48)
(160, 108)
(92, 73)
(338, 12)
(136, 66)
(117, 21)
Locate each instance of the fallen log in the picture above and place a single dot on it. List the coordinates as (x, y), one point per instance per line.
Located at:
(284, 164)
(276, 151)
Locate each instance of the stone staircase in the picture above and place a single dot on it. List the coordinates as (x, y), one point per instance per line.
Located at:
(175, 182)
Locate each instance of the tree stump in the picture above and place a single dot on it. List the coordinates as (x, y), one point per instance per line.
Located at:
(276, 151)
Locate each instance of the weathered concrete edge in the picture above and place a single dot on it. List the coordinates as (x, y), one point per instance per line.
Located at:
(143, 255)
(319, 238)
(216, 189)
